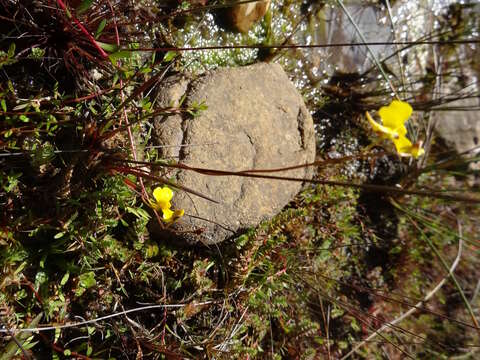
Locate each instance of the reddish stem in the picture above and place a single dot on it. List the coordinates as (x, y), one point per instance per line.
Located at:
(86, 97)
(82, 29)
(125, 116)
(32, 288)
(57, 348)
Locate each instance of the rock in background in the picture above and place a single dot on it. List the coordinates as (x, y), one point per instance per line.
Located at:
(241, 17)
(459, 126)
(255, 119)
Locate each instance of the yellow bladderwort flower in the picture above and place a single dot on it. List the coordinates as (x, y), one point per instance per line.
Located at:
(394, 117)
(163, 196)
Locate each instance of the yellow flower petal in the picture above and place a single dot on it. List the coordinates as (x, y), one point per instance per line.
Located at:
(163, 196)
(406, 148)
(383, 131)
(403, 146)
(395, 115)
(170, 216)
(167, 214)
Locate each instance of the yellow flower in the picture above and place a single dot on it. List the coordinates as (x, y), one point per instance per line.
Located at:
(394, 117)
(162, 196)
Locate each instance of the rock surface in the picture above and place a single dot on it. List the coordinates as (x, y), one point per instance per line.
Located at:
(255, 119)
(461, 129)
(242, 16)
(460, 125)
(332, 26)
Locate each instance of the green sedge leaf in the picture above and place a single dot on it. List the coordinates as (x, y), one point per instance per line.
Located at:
(84, 6)
(100, 28)
(108, 47)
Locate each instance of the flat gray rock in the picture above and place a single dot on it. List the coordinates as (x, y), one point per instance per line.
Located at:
(255, 119)
(460, 128)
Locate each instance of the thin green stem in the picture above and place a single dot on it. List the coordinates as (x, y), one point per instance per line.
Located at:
(397, 50)
(411, 215)
(454, 279)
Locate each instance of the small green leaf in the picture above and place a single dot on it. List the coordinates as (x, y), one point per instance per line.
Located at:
(241, 241)
(151, 251)
(10, 86)
(21, 106)
(37, 53)
(107, 126)
(122, 54)
(59, 235)
(57, 334)
(115, 79)
(4, 105)
(108, 47)
(336, 312)
(84, 6)
(169, 56)
(40, 278)
(11, 50)
(196, 108)
(355, 326)
(67, 352)
(65, 278)
(87, 280)
(73, 217)
(100, 28)
(138, 212)
(20, 268)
